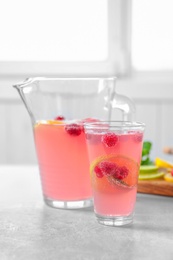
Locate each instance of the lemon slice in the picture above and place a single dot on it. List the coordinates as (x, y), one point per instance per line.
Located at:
(168, 177)
(107, 183)
(47, 122)
(162, 163)
(54, 122)
(148, 168)
(150, 176)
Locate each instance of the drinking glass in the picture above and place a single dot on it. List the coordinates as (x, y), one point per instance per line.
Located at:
(114, 149)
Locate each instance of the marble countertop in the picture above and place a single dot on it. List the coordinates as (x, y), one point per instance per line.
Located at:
(31, 230)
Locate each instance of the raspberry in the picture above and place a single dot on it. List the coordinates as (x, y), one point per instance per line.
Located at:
(59, 118)
(110, 139)
(98, 172)
(121, 173)
(108, 168)
(73, 129)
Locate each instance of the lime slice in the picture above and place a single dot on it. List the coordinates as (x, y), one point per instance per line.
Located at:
(168, 177)
(162, 163)
(107, 183)
(150, 176)
(148, 168)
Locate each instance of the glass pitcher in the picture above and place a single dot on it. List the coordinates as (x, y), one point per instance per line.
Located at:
(58, 107)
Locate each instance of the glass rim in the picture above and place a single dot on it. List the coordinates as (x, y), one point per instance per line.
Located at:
(118, 124)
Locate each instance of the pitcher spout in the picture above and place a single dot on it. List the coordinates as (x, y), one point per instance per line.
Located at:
(24, 83)
(24, 88)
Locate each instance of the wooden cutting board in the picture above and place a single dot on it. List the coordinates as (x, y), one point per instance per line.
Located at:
(157, 187)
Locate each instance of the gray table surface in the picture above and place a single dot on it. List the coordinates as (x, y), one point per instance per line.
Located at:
(31, 230)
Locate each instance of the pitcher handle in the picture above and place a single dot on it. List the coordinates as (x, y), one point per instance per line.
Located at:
(126, 105)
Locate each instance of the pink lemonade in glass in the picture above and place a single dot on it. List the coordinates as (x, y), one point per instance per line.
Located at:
(63, 162)
(115, 156)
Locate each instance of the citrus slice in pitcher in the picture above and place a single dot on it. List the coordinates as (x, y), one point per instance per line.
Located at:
(111, 170)
(54, 122)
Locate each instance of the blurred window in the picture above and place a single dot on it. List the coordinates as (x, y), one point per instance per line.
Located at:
(63, 30)
(61, 37)
(86, 37)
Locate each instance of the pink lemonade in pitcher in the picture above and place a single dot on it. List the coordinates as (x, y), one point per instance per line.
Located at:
(63, 160)
(114, 167)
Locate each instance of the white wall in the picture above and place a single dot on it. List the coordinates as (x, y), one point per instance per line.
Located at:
(154, 106)
(153, 96)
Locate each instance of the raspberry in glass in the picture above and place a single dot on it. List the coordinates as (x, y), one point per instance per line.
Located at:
(110, 139)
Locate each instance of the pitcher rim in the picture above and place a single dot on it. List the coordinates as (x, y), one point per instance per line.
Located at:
(30, 80)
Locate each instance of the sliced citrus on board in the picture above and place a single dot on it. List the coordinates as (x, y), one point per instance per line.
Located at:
(151, 176)
(107, 182)
(162, 163)
(148, 168)
(168, 177)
